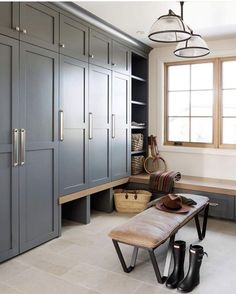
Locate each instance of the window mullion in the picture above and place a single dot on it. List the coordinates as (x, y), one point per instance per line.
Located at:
(217, 103)
(190, 97)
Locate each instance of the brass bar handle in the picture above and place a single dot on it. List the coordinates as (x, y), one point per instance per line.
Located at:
(90, 126)
(22, 146)
(61, 125)
(15, 151)
(113, 134)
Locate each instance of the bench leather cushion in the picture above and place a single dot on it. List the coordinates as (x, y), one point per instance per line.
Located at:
(153, 227)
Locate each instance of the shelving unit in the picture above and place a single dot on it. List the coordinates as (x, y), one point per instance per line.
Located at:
(139, 98)
(138, 128)
(138, 152)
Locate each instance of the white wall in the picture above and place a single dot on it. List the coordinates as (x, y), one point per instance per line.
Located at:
(201, 162)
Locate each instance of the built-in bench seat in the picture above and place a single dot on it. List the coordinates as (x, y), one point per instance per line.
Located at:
(226, 187)
(151, 228)
(220, 192)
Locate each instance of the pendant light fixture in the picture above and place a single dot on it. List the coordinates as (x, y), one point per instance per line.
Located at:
(192, 48)
(172, 29)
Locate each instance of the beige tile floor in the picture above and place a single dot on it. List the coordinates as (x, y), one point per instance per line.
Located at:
(83, 261)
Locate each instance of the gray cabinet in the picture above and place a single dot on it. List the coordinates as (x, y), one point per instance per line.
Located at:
(120, 58)
(99, 125)
(9, 74)
(74, 112)
(99, 49)
(9, 19)
(223, 206)
(73, 38)
(38, 123)
(120, 131)
(39, 25)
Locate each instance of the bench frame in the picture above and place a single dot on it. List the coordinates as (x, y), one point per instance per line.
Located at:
(161, 279)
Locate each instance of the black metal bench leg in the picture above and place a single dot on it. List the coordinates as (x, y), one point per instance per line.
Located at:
(121, 258)
(198, 227)
(168, 258)
(204, 225)
(134, 257)
(155, 266)
(202, 232)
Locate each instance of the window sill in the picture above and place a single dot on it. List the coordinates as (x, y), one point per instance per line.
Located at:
(198, 150)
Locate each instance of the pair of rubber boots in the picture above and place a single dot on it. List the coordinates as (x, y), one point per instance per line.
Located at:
(192, 279)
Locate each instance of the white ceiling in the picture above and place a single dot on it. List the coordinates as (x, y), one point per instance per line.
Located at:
(211, 19)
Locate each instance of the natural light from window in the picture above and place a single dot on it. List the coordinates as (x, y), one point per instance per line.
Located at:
(190, 103)
(200, 103)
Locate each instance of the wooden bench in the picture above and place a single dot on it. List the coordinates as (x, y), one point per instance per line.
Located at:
(151, 228)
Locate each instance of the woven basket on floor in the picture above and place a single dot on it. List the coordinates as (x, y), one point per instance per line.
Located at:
(137, 142)
(132, 201)
(137, 164)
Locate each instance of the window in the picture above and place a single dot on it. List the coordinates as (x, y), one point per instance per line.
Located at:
(200, 103)
(228, 92)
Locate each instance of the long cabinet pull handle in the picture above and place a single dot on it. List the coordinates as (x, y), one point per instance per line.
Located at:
(113, 134)
(22, 146)
(61, 126)
(90, 126)
(15, 152)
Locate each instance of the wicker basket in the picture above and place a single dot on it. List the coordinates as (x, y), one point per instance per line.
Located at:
(132, 201)
(137, 164)
(137, 142)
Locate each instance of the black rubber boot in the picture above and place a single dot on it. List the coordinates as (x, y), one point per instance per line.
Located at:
(178, 272)
(192, 278)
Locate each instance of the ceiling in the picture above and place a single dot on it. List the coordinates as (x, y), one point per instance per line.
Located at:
(211, 19)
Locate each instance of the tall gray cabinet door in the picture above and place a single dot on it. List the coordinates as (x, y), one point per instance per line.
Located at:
(120, 58)
(99, 49)
(74, 141)
(9, 74)
(39, 25)
(9, 19)
(120, 126)
(73, 38)
(99, 125)
(39, 159)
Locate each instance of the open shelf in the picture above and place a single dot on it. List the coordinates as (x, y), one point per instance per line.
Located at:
(139, 66)
(138, 128)
(138, 78)
(138, 103)
(138, 152)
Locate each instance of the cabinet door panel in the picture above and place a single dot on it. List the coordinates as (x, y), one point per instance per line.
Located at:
(99, 50)
(99, 157)
(120, 58)
(39, 175)
(73, 149)
(121, 126)
(41, 24)
(99, 109)
(38, 205)
(9, 19)
(9, 75)
(73, 38)
(120, 159)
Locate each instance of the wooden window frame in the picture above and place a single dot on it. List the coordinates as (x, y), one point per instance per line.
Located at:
(217, 104)
(221, 145)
